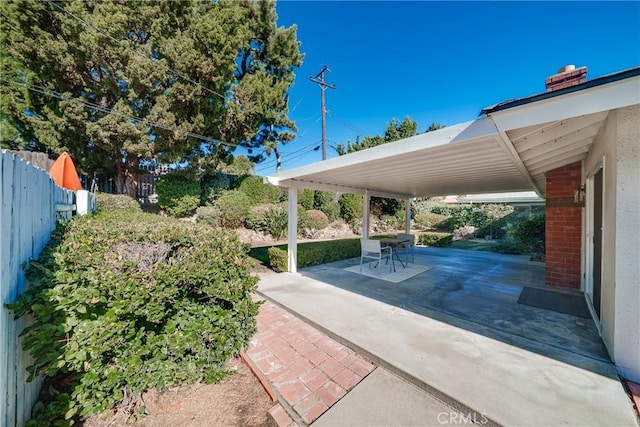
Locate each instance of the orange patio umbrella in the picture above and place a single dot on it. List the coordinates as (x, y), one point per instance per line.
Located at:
(64, 174)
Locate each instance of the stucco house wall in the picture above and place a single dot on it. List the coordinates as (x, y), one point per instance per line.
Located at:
(617, 149)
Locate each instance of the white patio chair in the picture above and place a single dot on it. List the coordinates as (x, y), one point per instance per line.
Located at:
(373, 250)
(407, 246)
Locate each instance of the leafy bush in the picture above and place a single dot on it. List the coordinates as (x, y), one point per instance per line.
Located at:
(257, 191)
(315, 253)
(278, 259)
(428, 220)
(178, 195)
(255, 217)
(322, 199)
(350, 207)
(124, 303)
(116, 203)
(305, 198)
(332, 211)
(435, 239)
(316, 220)
(384, 206)
(531, 233)
(507, 247)
(209, 215)
(234, 207)
(213, 186)
(400, 217)
(276, 221)
(310, 253)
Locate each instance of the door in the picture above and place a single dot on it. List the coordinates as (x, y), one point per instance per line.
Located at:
(597, 240)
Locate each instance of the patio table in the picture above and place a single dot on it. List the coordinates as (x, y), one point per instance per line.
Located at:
(394, 242)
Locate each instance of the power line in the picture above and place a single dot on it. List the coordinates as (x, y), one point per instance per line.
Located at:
(102, 109)
(270, 163)
(122, 43)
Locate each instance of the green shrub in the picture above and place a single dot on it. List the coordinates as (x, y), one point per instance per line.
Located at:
(435, 239)
(384, 206)
(507, 247)
(209, 215)
(276, 221)
(234, 207)
(429, 220)
(305, 198)
(259, 192)
(400, 217)
(322, 199)
(213, 186)
(178, 195)
(278, 259)
(116, 203)
(315, 253)
(255, 217)
(351, 207)
(332, 211)
(316, 220)
(310, 253)
(124, 303)
(531, 233)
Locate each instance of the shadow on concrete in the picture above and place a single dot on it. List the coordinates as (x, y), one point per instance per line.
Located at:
(478, 291)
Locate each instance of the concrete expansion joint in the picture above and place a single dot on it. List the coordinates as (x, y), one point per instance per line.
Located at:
(379, 362)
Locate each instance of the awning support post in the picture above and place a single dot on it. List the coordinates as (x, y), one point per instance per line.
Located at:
(407, 216)
(365, 214)
(292, 240)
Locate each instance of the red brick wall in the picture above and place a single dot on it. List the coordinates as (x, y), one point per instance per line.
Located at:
(563, 228)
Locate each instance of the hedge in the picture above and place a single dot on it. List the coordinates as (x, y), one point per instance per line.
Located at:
(123, 303)
(312, 253)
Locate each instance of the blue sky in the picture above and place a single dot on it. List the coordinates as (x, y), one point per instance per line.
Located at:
(439, 61)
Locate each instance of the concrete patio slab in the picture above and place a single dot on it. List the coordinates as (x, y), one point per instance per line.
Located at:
(383, 399)
(466, 367)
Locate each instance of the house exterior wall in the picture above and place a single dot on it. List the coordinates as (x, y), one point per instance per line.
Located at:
(603, 154)
(627, 244)
(563, 228)
(617, 148)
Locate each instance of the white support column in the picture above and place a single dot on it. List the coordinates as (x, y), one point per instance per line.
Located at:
(407, 216)
(292, 248)
(365, 214)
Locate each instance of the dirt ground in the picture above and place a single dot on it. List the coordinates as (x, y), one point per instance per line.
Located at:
(239, 400)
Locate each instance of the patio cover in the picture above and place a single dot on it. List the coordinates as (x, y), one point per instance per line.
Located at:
(508, 150)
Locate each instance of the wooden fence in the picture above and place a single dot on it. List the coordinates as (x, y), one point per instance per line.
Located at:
(29, 198)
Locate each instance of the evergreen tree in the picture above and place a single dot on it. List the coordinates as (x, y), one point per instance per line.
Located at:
(119, 83)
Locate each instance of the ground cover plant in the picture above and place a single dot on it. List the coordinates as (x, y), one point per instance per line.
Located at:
(123, 302)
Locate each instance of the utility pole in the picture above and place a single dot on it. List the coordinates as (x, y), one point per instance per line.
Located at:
(319, 78)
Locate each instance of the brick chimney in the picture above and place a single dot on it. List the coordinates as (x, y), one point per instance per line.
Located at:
(567, 76)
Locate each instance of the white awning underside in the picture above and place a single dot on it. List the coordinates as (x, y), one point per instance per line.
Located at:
(507, 151)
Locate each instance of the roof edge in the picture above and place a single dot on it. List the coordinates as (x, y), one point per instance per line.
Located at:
(599, 81)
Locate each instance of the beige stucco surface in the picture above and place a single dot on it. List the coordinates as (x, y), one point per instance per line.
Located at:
(627, 244)
(617, 148)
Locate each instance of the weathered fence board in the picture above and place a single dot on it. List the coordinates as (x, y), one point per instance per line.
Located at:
(28, 217)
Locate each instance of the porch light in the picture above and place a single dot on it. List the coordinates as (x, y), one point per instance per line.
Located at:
(579, 194)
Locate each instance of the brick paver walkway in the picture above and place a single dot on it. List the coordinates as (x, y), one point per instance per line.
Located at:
(308, 370)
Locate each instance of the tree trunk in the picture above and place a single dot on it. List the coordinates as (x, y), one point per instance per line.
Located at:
(126, 178)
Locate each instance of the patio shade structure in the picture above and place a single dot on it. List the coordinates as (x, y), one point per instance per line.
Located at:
(575, 145)
(509, 149)
(64, 173)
